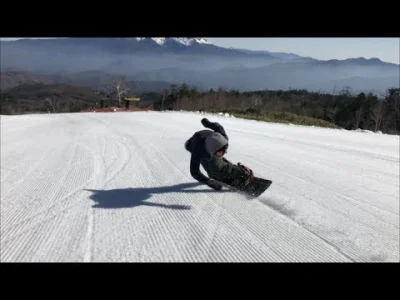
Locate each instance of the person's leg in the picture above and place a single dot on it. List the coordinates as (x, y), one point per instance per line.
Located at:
(214, 171)
(225, 171)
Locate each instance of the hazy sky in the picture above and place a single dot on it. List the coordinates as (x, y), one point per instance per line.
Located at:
(386, 49)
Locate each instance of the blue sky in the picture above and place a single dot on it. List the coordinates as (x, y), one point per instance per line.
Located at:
(386, 49)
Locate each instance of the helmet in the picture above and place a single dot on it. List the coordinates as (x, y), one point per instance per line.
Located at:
(216, 142)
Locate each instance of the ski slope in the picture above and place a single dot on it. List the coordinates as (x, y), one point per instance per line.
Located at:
(116, 187)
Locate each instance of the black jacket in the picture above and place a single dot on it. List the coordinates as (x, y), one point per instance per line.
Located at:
(220, 168)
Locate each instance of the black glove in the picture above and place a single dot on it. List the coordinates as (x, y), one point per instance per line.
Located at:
(247, 176)
(214, 185)
(205, 122)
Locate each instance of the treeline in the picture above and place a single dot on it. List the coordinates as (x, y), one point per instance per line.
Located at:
(364, 111)
(40, 99)
(345, 110)
(61, 98)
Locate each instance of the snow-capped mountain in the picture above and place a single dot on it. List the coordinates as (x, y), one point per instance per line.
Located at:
(195, 61)
(182, 41)
(136, 45)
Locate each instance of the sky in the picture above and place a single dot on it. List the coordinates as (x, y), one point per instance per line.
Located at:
(386, 49)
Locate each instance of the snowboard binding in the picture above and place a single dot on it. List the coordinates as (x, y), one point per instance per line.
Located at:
(254, 186)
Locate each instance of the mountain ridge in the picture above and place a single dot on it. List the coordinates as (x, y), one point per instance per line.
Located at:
(191, 60)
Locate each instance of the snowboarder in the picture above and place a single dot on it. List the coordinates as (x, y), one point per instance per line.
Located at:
(207, 148)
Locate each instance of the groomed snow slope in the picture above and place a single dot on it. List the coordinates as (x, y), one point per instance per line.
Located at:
(116, 187)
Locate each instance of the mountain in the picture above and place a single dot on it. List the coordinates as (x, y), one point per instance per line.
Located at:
(130, 46)
(279, 55)
(301, 75)
(11, 79)
(195, 61)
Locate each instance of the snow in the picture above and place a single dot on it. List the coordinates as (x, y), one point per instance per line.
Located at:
(202, 41)
(116, 187)
(183, 41)
(159, 41)
(191, 41)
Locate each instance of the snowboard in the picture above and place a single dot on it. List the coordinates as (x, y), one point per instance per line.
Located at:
(256, 188)
(253, 190)
(258, 185)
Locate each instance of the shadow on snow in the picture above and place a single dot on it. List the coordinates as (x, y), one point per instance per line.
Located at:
(131, 197)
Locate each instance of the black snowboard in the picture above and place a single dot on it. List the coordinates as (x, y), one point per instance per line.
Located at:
(257, 187)
(253, 190)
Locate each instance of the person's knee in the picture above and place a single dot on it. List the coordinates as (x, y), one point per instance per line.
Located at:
(214, 174)
(187, 145)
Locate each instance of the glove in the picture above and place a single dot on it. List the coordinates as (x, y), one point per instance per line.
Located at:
(248, 175)
(214, 185)
(205, 122)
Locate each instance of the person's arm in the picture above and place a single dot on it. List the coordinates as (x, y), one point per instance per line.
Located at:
(214, 126)
(195, 170)
(196, 174)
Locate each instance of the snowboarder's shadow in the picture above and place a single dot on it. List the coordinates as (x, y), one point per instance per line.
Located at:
(131, 197)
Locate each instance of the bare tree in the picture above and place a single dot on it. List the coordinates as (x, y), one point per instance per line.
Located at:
(256, 100)
(53, 101)
(346, 92)
(377, 114)
(333, 112)
(223, 101)
(120, 88)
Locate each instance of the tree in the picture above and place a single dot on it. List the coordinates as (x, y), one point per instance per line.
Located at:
(183, 90)
(163, 99)
(377, 114)
(392, 101)
(53, 101)
(172, 94)
(67, 104)
(256, 100)
(120, 88)
(359, 114)
(346, 92)
(193, 92)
